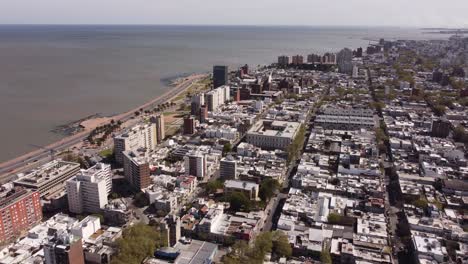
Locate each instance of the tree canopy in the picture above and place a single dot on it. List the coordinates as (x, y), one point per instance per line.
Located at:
(325, 257)
(297, 144)
(213, 185)
(334, 218)
(238, 201)
(227, 148)
(137, 243)
(275, 242)
(268, 188)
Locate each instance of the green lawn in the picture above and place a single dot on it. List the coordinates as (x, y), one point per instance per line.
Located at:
(106, 153)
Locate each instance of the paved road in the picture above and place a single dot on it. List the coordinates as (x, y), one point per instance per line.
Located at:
(10, 168)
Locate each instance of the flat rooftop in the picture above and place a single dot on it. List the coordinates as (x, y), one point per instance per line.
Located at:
(245, 185)
(277, 128)
(47, 172)
(194, 253)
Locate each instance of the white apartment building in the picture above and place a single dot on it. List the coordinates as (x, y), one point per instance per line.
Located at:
(217, 97)
(88, 191)
(224, 132)
(139, 136)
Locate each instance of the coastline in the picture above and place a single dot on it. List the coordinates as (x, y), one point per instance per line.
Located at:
(90, 124)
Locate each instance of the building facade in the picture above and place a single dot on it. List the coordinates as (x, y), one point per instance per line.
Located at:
(87, 193)
(139, 136)
(158, 120)
(272, 135)
(220, 75)
(195, 164)
(283, 60)
(20, 210)
(136, 169)
(49, 178)
(217, 97)
(64, 248)
(189, 125)
(228, 168)
(171, 227)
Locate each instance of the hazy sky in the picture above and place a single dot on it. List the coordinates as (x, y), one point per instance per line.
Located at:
(453, 13)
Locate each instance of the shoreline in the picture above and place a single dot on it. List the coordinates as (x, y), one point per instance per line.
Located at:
(74, 127)
(92, 123)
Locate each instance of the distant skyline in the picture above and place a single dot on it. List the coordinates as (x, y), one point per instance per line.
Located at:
(401, 13)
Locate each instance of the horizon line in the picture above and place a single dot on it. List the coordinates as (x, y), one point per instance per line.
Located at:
(238, 25)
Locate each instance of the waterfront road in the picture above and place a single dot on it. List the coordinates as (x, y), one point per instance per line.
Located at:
(9, 169)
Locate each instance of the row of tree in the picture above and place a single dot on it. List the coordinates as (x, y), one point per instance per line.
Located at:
(106, 130)
(297, 144)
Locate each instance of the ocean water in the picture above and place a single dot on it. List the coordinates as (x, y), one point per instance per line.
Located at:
(53, 75)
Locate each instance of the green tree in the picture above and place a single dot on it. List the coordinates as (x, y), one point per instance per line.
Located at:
(281, 245)
(297, 144)
(137, 243)
(141, 200)
(263, 245)
(227, 148)
(212, 186)
(238, 201)
(268, 187)
(421, 203)
(334, 218)
(238, 254)
(275, 242)
(439, 110)
(325, 257)
(459, 134)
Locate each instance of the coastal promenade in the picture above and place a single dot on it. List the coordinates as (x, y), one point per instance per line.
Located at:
(35, 158)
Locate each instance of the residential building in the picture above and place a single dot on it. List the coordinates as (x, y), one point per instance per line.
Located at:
(189, 125)
(139, 136)
(88, 191)
(344, 58)
(136, 168)
(64, 248)
(20, 210)
(195, 164)
(283, 60)
(314, 58)
(228, 168)
(217, 97)
(160, 129)
(203, 115)
(197, 101)
(297, 60)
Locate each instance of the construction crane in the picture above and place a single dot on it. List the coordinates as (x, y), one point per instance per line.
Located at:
(51, 150)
